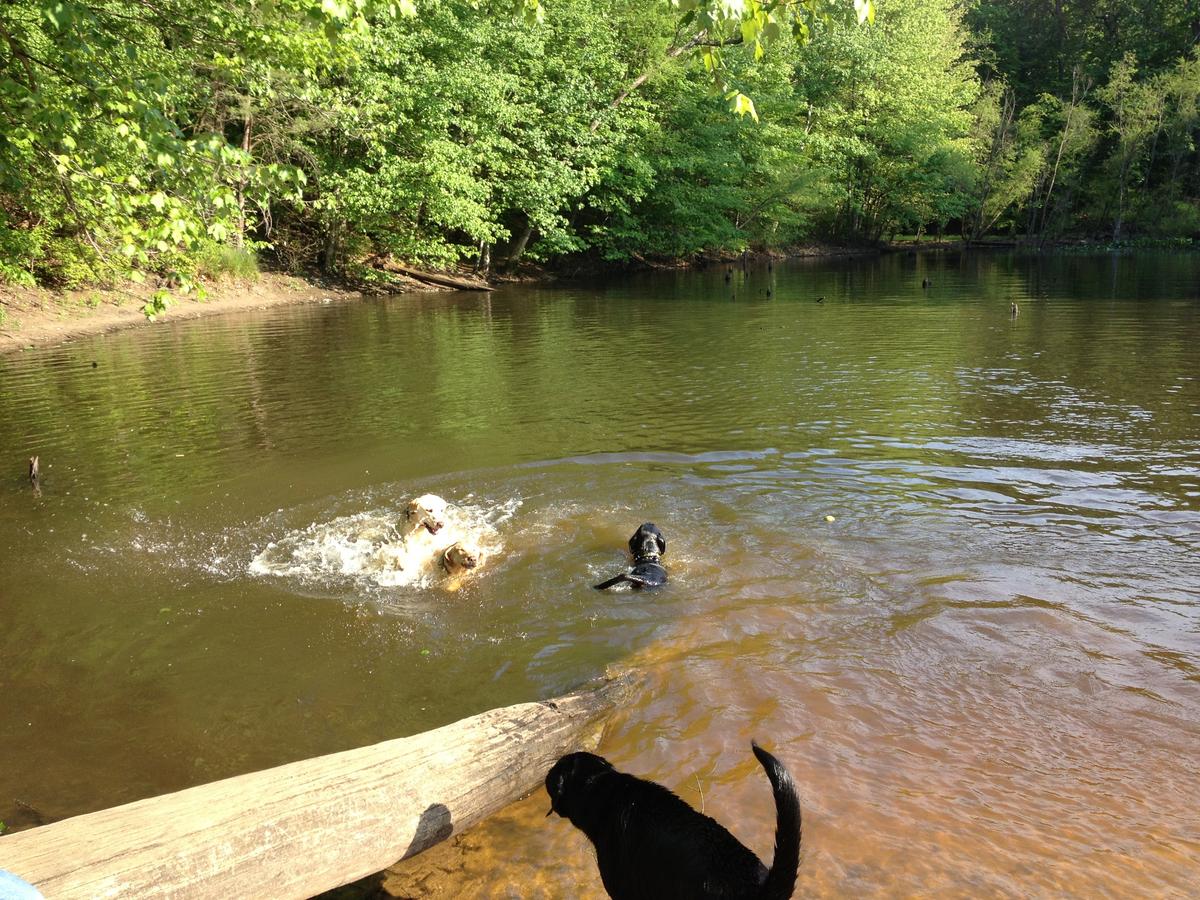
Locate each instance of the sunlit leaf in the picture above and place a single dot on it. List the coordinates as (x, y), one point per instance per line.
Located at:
(743, 106)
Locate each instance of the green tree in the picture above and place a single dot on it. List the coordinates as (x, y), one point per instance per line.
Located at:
(106, 169)
(1135, 115)
(891, 116)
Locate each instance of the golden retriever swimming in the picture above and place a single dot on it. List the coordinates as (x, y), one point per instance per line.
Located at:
(423, 542)
(458, 561)
(426, 512)
(432, 538)
(459, 558)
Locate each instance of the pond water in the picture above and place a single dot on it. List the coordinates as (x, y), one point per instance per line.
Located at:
(983, 673)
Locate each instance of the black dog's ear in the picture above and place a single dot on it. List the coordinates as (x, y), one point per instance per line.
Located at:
(661, 541)
(561, 775)
(554, 787)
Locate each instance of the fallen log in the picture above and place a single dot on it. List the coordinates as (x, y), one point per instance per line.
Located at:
(455, 281)
(310, 826)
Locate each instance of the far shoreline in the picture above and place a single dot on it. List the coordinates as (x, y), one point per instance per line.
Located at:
(33, 318)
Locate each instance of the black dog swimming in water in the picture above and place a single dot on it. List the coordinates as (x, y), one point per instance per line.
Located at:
(650, 845)
(647, 546)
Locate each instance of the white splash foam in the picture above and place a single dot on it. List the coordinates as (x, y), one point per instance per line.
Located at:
(368, 547)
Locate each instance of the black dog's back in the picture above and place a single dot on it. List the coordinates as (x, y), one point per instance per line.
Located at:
(647, 546)
(682, 854)
(650, 845)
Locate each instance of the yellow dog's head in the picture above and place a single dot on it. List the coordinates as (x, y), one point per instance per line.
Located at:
(427, 511)
(459, 558)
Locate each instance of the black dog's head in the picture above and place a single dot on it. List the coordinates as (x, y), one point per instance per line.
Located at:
(647, 542)
(570, 781)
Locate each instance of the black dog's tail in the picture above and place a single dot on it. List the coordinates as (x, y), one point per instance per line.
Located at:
(623, 578)
(781, 879)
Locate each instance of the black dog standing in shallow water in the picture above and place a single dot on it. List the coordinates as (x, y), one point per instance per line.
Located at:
(650, 845)
(647, 546)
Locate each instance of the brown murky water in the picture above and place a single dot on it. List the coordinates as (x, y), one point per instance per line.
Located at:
(984, 674)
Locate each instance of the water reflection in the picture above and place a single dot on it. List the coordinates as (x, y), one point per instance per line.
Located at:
(982, 672)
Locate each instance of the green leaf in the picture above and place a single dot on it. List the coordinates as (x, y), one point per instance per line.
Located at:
(743, 106)
(334, 9)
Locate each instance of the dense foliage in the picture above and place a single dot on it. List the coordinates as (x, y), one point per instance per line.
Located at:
(180, 137)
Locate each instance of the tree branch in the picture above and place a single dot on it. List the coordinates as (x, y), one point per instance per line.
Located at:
(700, 40)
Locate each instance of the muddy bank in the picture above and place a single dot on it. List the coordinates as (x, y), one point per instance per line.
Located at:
(37, 317)
(34, 317)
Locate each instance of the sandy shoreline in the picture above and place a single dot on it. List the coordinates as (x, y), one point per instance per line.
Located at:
(34, 317)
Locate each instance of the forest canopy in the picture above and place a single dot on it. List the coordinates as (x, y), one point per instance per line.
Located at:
(177, 138)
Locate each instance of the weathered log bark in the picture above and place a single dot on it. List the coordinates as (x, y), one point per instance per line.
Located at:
(461, 282)
(312, 825)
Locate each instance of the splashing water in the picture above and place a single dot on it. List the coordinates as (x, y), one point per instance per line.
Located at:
(369, 548)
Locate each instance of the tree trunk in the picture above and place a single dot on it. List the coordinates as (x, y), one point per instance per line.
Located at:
(1031, 223)
(1079, 89)
(484, 262)
(1119, 220)
(332, 251)
(1008, 107)
(239, 239)
(518, 249)
(310, 826)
